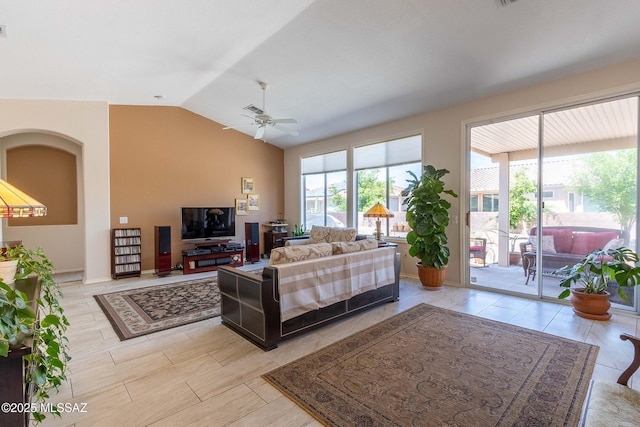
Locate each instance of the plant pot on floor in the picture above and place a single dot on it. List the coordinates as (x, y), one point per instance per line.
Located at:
(515, 258)
(431, 278)
(590, 306)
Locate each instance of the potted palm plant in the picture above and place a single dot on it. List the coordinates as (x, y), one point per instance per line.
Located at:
(428, 217)
(42, 336)
(593, 274)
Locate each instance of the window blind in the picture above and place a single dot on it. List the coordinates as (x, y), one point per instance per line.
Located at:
(389, 153)
(329, 162)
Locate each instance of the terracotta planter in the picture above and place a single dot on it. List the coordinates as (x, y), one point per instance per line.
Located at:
(590, 306)
(431, 278)
(514, 258)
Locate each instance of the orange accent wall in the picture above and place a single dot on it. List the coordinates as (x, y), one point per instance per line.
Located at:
(163, 158)
(48, 175)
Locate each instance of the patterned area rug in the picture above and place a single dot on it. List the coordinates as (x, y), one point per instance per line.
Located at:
(434, 367)
(138, 312)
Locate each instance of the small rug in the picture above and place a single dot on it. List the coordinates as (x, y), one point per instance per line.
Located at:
(137, 312)
(430, 366)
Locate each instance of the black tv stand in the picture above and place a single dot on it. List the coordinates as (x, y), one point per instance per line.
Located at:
(217, 257)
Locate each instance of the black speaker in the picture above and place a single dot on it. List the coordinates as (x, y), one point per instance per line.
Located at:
(252, 241)
(163, 250)
(252, 232)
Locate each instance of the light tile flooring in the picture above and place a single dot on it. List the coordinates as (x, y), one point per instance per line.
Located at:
(204, 374)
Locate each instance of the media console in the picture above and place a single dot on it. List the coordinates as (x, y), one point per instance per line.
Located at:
(209, 255)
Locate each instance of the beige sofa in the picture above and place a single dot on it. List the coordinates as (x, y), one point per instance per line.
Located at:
(308, 286)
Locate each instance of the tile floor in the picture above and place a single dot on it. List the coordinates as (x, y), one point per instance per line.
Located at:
(204, 374)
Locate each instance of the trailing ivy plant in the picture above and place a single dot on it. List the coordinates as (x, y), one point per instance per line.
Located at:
(47, 363)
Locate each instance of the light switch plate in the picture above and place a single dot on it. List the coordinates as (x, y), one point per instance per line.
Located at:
(124, 220)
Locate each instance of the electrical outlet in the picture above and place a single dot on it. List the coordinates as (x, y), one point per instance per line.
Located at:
(124, 220)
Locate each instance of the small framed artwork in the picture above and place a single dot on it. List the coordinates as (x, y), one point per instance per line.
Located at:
(247, 185)
(242, 207)
(254, 202)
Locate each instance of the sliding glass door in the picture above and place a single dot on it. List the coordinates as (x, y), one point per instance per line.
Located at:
(589, 185)
(546, 189)
(502, 206)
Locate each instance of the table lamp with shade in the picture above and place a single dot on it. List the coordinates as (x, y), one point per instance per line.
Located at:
(15, 203)
(378, 211)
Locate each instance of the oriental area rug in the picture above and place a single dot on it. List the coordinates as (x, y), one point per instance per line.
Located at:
(430, 366)
(137, 312)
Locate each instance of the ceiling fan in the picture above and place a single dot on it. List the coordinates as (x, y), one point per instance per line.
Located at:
(263, 120)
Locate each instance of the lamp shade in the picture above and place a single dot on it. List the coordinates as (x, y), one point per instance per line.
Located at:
(378, 211)
(15, 203)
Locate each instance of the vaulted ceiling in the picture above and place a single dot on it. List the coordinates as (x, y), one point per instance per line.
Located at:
(334, 65)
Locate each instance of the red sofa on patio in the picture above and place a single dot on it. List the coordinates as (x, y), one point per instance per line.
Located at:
(566, 245)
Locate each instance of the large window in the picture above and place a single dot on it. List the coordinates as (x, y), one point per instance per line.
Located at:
(324, 180)
(381, 175)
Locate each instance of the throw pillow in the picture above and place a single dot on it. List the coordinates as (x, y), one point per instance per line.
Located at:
(614, 244)
(563, 238)
(319, 234)
(288, 254)
(357, 246)
(548, 244)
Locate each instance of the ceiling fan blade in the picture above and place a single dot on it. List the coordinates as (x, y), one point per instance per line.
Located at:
(285, 121)
(238, 126)
(286, 130)
(259, 133)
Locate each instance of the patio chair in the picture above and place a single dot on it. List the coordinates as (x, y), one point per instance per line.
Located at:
(478, 249)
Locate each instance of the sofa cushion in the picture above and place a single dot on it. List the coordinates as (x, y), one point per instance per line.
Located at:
(357, 246)
(585, 243)
(319, 234)
(611, 404)
(288, 254)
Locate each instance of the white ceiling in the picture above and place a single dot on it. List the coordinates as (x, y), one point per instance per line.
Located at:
(334, 65)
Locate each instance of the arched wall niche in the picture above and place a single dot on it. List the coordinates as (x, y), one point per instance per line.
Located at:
(47, 236)
(84, 125)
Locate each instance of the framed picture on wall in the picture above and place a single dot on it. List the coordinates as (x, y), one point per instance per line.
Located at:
(254, 202)
(242, 207)
(247, 185)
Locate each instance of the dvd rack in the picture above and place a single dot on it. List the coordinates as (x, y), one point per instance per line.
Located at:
(126, 253)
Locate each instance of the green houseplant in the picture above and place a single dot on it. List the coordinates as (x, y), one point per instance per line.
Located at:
(298, 230)
(428, 216)
(46, 365)
(593, 274)
(522, 210)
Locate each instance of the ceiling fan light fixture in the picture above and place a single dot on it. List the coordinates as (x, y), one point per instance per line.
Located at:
(264, 120)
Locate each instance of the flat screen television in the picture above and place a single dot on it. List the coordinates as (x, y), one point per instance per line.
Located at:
(207, 223)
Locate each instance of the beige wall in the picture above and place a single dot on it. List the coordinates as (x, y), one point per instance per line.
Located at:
(163, 158)
(84, 126)
(444, 142)
(52, 165)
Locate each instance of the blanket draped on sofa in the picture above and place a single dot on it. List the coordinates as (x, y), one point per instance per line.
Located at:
(310, 285)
